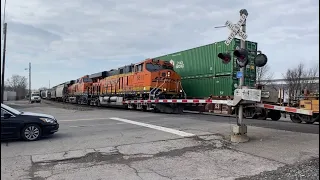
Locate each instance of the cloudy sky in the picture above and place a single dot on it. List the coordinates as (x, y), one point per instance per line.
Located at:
(67, 39)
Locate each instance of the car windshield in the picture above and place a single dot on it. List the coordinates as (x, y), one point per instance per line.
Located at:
(10, 109)
(35, 94)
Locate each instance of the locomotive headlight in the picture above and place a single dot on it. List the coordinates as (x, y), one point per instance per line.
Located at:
(181, 90)
(164, 89)
(168, 74)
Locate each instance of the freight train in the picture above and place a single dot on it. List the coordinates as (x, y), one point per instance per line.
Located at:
(156, 84)
(148, 80)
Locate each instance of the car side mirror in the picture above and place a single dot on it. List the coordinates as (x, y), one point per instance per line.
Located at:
(7, 116)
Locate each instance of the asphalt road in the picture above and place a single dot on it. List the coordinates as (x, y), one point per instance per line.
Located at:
(119, 144)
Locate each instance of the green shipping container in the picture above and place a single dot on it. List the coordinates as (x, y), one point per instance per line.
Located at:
(204, 60)
(203, 87)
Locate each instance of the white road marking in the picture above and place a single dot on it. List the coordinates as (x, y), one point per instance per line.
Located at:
(160, 128)
(96, 125)
(70, 120)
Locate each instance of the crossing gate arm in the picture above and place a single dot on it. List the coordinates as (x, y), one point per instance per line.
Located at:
(286, 109)
(178, 101)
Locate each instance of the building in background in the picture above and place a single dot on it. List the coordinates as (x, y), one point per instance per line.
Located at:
(9, 96)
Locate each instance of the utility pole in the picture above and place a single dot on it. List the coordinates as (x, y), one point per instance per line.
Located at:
(3, 59)
(49, 84)
(30, 81)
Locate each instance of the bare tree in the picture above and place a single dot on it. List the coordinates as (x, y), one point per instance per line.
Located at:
(18, 84)
(311, 75)
(300, 78)
(263, 75)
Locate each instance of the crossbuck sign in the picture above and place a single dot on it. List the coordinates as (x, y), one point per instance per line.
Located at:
(235, 30)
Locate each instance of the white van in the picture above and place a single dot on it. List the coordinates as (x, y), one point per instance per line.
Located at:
(35, 97)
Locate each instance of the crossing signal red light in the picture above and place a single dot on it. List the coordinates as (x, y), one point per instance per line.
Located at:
(226, 57)
(242, 57)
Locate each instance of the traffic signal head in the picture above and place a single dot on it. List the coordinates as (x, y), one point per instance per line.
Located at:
(260, 60)
(226, 57)
(242, 57)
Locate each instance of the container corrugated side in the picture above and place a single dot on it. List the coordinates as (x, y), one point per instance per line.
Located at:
(196, 61)
(204, 86)
(204, 60)
(225, 85)
(198, 87)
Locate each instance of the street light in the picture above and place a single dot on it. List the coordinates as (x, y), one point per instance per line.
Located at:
(29, 80)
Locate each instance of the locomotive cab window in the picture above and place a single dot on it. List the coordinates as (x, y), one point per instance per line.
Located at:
(86, 80)
(156, 67)
(139, 68)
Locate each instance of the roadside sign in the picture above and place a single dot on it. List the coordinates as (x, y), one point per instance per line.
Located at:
(236, 30)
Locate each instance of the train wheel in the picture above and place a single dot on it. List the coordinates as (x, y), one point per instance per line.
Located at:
(316, 117)
(307, 119)
(275, 115)
(144, 108)
(294, 118)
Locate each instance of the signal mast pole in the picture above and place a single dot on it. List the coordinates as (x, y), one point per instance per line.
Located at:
(250, 95)
(241, 80)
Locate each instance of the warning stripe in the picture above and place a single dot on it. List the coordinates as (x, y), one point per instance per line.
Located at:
(285, 109)
(204, 101)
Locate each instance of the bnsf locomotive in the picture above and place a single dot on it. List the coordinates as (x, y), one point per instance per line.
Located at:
(149, 79)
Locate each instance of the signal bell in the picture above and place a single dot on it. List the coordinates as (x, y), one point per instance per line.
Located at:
(260, 60)
(226, 57)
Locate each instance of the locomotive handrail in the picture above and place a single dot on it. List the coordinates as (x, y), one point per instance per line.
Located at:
(184, 93)
(155, 89)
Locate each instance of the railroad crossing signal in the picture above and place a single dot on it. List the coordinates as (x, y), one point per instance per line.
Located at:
(235, 30)
(242, 57)
(241, 54)
(226, 57)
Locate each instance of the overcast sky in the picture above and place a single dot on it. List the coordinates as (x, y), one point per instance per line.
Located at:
(67, 39)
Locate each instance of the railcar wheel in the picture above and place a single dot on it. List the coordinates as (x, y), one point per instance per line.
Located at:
(307, 119)
(294, 118)
(275, 115)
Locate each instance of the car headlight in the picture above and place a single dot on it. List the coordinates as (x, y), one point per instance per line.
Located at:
(48, 120)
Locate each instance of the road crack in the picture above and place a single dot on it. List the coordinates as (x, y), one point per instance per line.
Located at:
(135, 171)
(159, 174)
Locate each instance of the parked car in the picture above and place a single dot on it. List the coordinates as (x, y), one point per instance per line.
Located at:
(29, 126)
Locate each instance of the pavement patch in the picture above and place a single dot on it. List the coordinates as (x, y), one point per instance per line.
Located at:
(168, 159)
(60, 156)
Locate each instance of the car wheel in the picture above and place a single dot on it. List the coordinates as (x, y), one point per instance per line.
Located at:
(31, 132)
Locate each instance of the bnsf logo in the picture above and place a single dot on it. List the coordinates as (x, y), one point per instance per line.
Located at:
(180, 65)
